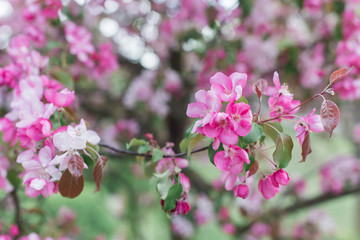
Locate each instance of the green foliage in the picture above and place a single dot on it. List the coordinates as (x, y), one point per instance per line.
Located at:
(254, 135)
(212, 152)
(157, 155)
(283, 151)
(174, 193)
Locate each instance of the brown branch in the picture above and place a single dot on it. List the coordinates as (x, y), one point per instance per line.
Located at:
(276, 213)
(130, 153)
(16, 201)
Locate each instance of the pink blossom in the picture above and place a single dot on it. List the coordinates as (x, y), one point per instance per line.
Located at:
(80, 42)
(222, 129)
(278, 89)
(40, 167)
(311, 122)
(61, 99)
(105, 61)
(182, 207)
(267, 188)
(281, 105)
(232, 159)
(241, 191)
(206, 106)
(229, 179)
(185, 182)
(39, 129)
(228, 88)
(36, 186)
(241, 117)
(280, 177)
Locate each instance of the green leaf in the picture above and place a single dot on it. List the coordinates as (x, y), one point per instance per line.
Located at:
(157, 155)
(192, 143)
(212, 152)
(174, 193)
(242, 99)
(64, 78)
(255, 134)
(164, 183)
(247, 166)
(13, 178)
(282, 153)
(143, 148)
(270, 131)
(135, 143)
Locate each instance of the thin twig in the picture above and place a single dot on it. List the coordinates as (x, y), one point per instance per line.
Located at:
(127, 152)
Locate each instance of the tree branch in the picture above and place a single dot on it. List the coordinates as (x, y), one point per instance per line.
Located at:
(276, 213)
(16, 201)
(130, 153)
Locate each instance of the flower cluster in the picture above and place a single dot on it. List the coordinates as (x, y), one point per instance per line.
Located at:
(34, 120)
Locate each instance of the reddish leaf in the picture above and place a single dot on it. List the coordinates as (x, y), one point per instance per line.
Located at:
(339, 74)
(253, 168)
(70, 186)
(98, 172)
(306, 147)
(330, 116)
(76, 165)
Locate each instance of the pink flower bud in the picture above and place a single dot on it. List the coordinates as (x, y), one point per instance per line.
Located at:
(182, 207)
(14, 230)
(61, 99)
(280, 177)
(241, 191)
(267, 188)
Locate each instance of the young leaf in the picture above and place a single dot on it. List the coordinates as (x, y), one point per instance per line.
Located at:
(242, 99)
(306, 147)
(136, 142)
(339, 74)
(212, 152)
(144, 148)
(98, 172)
(174, 193)
(254, 135)
(192, 143)
(260, 86)
(76, 165)
(157, 155)
(253, 168)
(247, 166)
(330, 116)
(282, 153)
(70, 186)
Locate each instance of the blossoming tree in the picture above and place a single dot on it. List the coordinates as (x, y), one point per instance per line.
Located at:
(140, 73)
